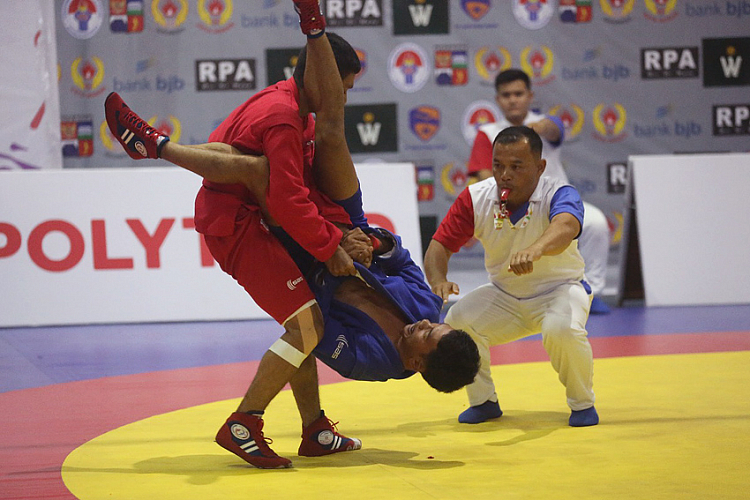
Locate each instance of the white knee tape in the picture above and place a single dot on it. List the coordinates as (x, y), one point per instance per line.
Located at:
(307, 329)
(288, 353)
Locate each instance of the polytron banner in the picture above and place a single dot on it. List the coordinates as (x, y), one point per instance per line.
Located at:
(626, 77)
(118, 246)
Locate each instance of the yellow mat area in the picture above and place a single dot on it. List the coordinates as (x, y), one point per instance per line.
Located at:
(672, 427)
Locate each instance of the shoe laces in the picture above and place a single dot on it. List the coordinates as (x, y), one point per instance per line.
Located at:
(139, 122)
(260, 437)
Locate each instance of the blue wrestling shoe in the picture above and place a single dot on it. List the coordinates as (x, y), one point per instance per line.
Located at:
(480, 413)
(583, 418)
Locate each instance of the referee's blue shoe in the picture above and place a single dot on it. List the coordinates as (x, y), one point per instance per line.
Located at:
(583, 418)
(480, 413)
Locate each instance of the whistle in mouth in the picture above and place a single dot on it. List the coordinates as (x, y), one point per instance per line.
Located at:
(504, 194)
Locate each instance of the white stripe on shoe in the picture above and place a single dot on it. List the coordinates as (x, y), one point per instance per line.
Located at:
(249, 447)
(125, 134)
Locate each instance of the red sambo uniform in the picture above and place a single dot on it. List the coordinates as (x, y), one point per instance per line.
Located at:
(230, 218)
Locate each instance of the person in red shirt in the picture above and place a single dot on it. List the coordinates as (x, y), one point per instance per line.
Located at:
(235, 217)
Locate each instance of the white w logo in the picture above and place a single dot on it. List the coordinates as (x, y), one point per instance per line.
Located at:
(731, 66)
(420, 14)
(369, 133)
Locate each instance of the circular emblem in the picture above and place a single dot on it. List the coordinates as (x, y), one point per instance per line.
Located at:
(82, 18)
(409, 67)
(240, 431)
(534, 14)
(141, 148)
(477, 114)
(325, 437)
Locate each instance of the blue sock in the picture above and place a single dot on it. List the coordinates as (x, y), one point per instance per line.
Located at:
(480, 413)
(353, 206)
(583, 418)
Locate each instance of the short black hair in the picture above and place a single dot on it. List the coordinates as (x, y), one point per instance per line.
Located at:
(512, 135)
(453, 364)
(511, 75)
(346, 57)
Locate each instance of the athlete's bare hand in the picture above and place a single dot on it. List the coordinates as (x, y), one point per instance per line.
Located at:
(445, 290)
(358, 246)
(340, 264)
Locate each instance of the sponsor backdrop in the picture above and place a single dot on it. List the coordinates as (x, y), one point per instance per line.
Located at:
(29, 104)
(626, 77)
(88, 244)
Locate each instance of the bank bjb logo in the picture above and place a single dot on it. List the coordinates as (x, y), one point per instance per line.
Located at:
(225, 74)
(609, 122)
(477, 114)
(669, 62)
(451, 65)
(420, 17)
(534, 14)
(732, 119)
(87, 75)
(125, 17)
(489, 61)
(82, 18)
(726, 62)
(408, 67)
(170, 126)
(353, 13)
(660, 10)
(169, 14)
(215, 15)
(424, 122)
(77, 135)
(538, 63)
(572, 117)
(371, 128)
(476, 9)
(617, 11)
(280, 64)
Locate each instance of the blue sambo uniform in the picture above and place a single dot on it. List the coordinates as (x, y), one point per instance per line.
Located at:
(353, 344)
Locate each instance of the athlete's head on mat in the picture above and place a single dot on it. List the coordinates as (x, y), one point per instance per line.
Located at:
(448, 359)
(347, 62)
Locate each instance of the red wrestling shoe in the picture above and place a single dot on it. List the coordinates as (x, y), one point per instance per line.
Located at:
(321, 438)
(139, 139)
(242, 434)
(311, 19)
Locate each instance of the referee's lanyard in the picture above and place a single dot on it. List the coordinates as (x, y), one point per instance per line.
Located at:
(502, 214)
